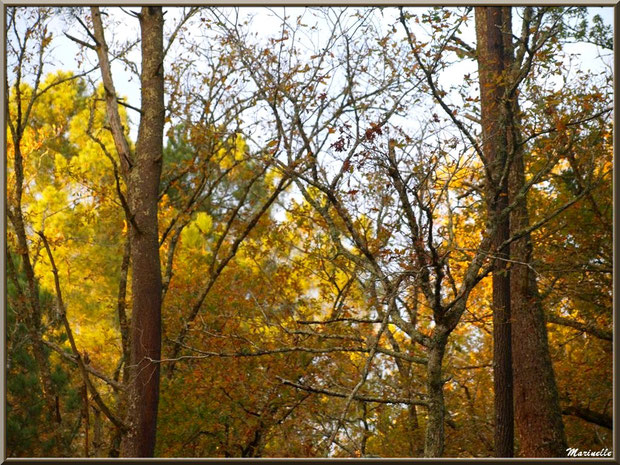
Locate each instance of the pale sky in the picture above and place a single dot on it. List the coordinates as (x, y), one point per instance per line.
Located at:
(64, 54)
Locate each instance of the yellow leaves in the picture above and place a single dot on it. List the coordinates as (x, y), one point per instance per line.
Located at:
(204, 222)
(69, 194)
(50, 202)
(60, 162)
(268, 333)
(241, 147)
(357, 358)
(193, 236)
(232, 152)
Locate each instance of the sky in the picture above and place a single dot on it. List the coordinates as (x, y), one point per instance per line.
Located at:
(65, 53)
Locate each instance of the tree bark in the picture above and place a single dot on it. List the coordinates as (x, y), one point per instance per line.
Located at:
(142, 173)
(435, 434)
(122, 311)
(97, 433)
(492, 27)
(143, 189)
(538, 416)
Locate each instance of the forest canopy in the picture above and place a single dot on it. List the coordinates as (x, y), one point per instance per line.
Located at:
(308, 232)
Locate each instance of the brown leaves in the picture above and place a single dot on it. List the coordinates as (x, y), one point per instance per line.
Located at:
(373, 131)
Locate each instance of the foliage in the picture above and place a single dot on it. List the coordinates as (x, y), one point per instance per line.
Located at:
(323, 233)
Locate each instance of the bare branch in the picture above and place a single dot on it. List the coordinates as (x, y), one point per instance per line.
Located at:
(358, 397)
(81, 42)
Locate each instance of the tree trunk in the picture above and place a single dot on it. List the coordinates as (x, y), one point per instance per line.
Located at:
(494, 57)
(35, 316)
(142, 172)
(143, 189)
(538, 415)
(435, 435)
(97, 433)
(537, 408)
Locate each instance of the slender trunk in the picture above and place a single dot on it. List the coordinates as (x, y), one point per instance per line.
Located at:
(494, 58)
(86, 415)
(502, 349)
(32, 290)
(97, 433)
(143, 188)
(122, 311)
(435, 435)
(537, 408)
(366, 433)
(415, 448)
(35, 316)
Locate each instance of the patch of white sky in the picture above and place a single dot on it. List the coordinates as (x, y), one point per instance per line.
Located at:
(266, 22)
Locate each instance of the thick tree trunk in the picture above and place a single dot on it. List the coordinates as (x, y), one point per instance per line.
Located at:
(143, 188)
(515, 294)
(494, 57)
(537, 408)
(142, 172)
(502, 348)
(435, 434)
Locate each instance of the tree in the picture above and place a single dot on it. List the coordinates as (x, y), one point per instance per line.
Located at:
(494, 50)
(36, 131)
(18, 121)
(576, 173)
(509, 76)
(328, 226)
(538, 415)
(141, 170)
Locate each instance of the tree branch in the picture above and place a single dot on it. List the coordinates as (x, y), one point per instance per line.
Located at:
(358, 397)
(118, 133)
(73, 359)
(81, 42)
(588, 328)
(76, 353)
(600, 419)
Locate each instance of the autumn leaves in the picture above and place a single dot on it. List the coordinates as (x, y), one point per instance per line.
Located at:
(312, 239)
